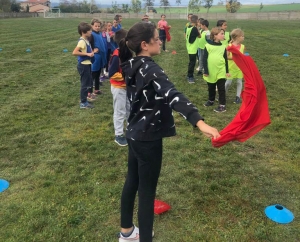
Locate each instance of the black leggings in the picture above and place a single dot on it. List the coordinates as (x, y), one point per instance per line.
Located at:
(96, 76)
(221, 90)
(144, 165)
(163, 37)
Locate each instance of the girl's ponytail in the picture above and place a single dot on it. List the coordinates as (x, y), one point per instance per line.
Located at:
(124, 52)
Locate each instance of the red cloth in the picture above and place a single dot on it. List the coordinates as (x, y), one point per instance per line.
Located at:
(253, 115)
(168, 36)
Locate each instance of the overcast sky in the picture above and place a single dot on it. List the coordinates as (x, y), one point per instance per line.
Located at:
(185, 2)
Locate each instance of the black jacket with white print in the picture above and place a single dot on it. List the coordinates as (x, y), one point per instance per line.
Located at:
(152, 97)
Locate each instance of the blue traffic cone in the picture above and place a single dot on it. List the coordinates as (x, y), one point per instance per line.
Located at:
(279, 214)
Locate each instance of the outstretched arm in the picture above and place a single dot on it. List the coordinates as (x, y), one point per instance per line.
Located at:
(208, 130)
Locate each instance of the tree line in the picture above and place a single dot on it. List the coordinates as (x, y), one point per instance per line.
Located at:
(84, 6)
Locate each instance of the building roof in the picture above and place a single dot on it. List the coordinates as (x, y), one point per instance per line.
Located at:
(39, 8)
(35, 1)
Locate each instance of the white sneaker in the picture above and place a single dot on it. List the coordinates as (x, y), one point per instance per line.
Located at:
(134, 237)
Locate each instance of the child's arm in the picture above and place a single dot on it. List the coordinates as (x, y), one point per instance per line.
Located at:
(92, 43)
(205, 66)
(226, 63)
(77, 52)
(208, 130)
(113, 69)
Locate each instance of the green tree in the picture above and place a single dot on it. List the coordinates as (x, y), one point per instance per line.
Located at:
(194, 5)
(125, 8)
(164, 3)
(136, 6)
(178, 2)
(208, 4)
(27, 8)
(233, 6)
(15, 7)
(261, 6)
(149, 3)
(5, 5)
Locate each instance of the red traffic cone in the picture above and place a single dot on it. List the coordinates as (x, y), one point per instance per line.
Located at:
(160, 207)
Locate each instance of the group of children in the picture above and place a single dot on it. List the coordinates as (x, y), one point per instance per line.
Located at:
(93, 52)
(144, 97)
(215, 62)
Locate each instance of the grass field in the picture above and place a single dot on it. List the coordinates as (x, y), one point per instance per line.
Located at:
(66, 173)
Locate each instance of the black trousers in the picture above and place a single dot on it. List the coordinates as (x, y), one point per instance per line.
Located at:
(192, 63)
(96, 76)
(144, 165)
(163, 37)
(107, 59)
(86, 80)
(221, 90)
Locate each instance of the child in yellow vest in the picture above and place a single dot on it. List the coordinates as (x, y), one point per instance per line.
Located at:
(205, 35)
(223, 25)
(192, 35)
(237, 37)
(216, 69)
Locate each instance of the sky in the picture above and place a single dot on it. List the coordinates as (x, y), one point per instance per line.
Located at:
(185, 2)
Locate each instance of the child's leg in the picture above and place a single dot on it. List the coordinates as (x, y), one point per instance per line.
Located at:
(227, 84)
(107, 59)
(221, 91)
(199, 56)
(144, 165)
(239, 87)
(96, 76)
(201, 60)
(85, 81)
(211, 91)
(191, 65)
(119, 105)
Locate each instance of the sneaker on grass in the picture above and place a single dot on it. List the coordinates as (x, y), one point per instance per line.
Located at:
(208, 103)
(91, 97)
(133, 237)
(237, 100)
(86, 105)
(121, 140)
(220, 109)
(191, 80)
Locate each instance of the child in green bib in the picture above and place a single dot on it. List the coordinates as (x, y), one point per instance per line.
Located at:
(223, 25)
(216, 69)
(237, 37)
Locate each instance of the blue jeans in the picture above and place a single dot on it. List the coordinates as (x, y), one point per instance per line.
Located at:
(86, 80)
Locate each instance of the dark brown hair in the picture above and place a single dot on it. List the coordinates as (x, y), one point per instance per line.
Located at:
(131, 44)
(83, 28)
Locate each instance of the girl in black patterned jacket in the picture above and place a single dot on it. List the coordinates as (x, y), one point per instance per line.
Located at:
(152, 97)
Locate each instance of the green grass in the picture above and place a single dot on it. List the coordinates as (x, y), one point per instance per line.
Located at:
(66, 173)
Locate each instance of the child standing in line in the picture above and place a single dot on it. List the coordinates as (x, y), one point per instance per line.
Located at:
(191, 37)
(84, 54)
(205, 36)
(237, 38)
(108, 36)
(118, 89)
(223, 25)
(152, 97)
(188, 23)
(103, 77)
(216, 69)
(98, 47)
(162, 25)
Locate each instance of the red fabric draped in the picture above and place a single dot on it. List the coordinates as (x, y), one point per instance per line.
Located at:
(254, 114)
(168, 36)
